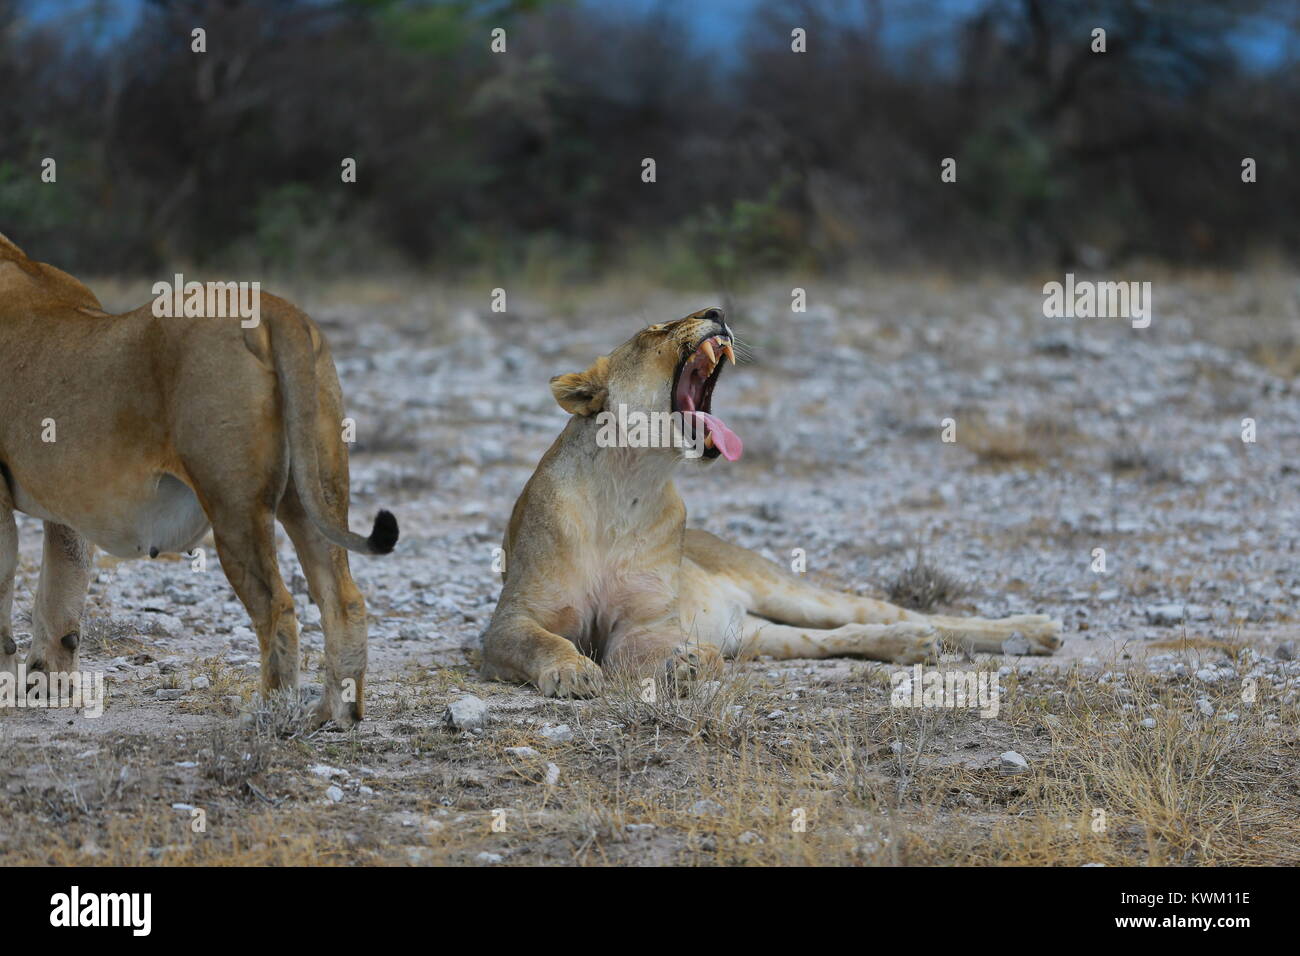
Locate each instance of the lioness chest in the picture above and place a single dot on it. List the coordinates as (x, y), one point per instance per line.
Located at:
(598, 598)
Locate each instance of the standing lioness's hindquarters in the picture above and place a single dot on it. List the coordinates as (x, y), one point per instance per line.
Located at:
(600, 569)
(136, 433)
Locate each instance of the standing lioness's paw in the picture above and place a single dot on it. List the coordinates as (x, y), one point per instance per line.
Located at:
(575, 677)
(8, 656)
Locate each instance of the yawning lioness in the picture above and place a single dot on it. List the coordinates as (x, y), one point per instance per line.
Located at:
(599, 565)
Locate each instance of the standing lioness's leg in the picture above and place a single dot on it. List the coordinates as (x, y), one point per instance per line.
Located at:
(246, 545)
(60, 601)
(8, 568)
(342, 611)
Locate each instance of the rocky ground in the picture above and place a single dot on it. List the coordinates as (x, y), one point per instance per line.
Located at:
(1171, 709)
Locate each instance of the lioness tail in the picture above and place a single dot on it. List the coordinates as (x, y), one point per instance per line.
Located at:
(294, 354)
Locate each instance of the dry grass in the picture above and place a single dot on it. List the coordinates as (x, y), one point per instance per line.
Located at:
(921, 586)
(755, 769)
(1032, 442)
(1150, 464)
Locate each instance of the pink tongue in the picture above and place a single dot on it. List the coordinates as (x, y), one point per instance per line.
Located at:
(726, 441)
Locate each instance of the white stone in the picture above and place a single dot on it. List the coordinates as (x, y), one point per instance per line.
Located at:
(1017, 644)
(1165, 615)
(1013, 762)
(557, 733)
(468, 713)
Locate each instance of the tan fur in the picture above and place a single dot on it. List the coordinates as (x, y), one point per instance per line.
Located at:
(166, 426)
(600, 566)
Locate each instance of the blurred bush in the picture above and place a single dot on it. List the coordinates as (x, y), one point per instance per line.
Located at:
(766, 159)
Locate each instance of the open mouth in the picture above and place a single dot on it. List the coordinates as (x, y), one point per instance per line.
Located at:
(697, 373)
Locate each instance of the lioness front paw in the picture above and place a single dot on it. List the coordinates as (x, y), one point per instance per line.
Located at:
(1041, 632)
(693, 662)
(573, 677)
(917, 643)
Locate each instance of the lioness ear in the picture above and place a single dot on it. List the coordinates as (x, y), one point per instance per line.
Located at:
(583, 393)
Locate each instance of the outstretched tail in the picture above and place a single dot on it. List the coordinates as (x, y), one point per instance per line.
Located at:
(293, 351)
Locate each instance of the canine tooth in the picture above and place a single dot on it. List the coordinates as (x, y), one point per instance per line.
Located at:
(708, 440)
(726, 350)
(707, 349)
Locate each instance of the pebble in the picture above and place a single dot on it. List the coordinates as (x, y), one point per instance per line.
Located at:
(1017, 645)
(1012, 762)
(468, 713)
(1165, 615)
(705, 808)
(556, 734)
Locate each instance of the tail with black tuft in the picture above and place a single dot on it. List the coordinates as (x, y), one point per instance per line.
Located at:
(383, 538)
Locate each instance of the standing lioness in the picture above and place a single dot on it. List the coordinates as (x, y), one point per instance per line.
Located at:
(600, 566)
(137, 433)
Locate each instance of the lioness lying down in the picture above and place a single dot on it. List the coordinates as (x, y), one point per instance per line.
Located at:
(137, 433)
(599, 565)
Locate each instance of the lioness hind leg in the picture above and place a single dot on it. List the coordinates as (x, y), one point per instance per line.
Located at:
(774, 593)
(907, 642)
(778, 596)
(246, 546)
(8, 567)
(1042, 634)
(803, 605)
(343, 615)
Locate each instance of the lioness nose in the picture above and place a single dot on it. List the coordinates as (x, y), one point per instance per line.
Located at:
(711, 315)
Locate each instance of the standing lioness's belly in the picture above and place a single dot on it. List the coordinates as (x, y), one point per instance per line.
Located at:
(155, 516)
